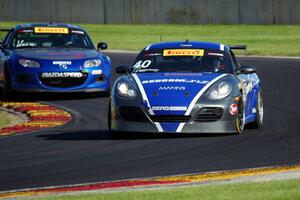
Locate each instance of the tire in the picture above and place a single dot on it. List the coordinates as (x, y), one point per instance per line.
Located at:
(240, 119)
(105, 93)
(259, 113)
(7, 89)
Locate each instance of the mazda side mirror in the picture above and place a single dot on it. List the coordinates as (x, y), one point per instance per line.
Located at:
(102, 46)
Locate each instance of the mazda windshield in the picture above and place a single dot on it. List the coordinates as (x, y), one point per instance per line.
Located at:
(45, 37)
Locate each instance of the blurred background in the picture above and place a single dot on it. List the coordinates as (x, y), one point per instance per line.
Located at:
(153, 11)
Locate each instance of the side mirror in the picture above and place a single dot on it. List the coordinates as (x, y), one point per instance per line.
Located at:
(123, 69)
(246, 70)
(102, 46)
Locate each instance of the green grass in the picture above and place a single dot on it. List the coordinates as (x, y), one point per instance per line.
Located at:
(4, 120)
(275, 190)
(277, 40)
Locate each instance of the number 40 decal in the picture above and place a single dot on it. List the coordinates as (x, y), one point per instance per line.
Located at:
(142, 64)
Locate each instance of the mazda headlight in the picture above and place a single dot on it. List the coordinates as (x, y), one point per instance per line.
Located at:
(125, 90)
(92, 63)
(29, 63)
(220, 90)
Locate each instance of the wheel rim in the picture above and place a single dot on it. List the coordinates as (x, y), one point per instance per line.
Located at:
(260, 108)
(240, 120)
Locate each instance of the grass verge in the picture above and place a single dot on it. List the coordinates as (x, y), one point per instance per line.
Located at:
(276, 40)
(4, 119)
(284, 189)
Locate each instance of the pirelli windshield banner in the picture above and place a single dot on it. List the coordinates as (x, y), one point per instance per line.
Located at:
(51, 30)
(183, 52)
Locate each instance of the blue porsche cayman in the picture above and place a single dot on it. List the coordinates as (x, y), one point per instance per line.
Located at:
(52, 58)
(186, 87)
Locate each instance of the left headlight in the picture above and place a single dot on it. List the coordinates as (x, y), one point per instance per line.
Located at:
(92, 63)
(29, 63)
(220, 90)
(125, 90)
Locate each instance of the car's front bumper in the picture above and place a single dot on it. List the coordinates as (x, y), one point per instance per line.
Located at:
(32, 82)
(225, 124)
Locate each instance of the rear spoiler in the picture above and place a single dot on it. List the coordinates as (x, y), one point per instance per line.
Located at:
(5, 29)
(238, 47)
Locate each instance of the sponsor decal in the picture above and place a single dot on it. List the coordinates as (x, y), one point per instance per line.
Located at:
(169, 108)
(215, 54)
(25, 31)
(233, 109)
(175, 81)
(153, 54)
(62, 64)
(62, 75)
(172, 88)
(97, 72)
(22, 43)
(78, 32)
(183, 52)
(51, 30)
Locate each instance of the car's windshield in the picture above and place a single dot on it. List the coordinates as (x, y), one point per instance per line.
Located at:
(40, 37)
(183, 60)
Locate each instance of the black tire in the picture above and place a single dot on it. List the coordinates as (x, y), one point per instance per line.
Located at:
(240, 119)
(7, 89)
(259, 113)
(105, 93)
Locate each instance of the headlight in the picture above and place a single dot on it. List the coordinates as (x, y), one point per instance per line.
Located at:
(125, 90)
(220, 90)
(92, 63)
(29, 63)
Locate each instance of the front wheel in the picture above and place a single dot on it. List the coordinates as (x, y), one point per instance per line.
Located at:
(7, 89)
(240, 119)
(259, 113)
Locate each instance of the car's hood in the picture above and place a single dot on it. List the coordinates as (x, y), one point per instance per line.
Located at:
(173, 93)
(57, 53)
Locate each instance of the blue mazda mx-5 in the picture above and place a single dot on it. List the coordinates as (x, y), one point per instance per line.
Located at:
(186, 87)
(52, 58)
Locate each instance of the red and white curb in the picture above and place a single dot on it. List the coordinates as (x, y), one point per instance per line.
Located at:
(178, 180)
(40, 116)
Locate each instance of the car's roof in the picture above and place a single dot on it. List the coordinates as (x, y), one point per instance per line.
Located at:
(187, 44)
(32, 25)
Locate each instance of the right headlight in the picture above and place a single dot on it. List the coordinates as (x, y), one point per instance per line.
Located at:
(125, 90)
(220, 90)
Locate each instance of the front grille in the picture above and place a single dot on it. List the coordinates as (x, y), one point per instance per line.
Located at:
(64, 82)
(170, 118)
(209, 114)
(131, 113)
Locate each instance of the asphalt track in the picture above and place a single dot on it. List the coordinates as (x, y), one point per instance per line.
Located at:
(83, 151)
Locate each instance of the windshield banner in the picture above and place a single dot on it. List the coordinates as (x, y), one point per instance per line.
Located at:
(183, 52)
(51, 30)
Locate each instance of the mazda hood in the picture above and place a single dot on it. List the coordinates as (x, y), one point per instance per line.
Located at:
(57, 53)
